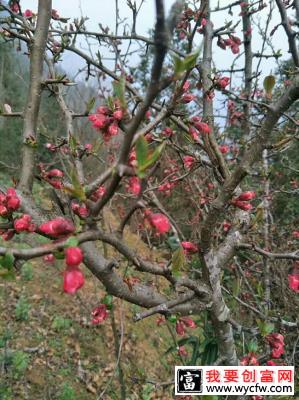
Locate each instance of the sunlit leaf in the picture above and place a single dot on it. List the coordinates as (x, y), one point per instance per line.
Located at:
(269, 83)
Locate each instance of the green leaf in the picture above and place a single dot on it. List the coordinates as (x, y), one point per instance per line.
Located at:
(252, 346)
(182, 65)
(7, 275)
(119, 88)
(152, 157)
(59, 255)
(173, 242)
(269, 83)
(172, 319)
(178, 261)
(145, 157)
(207, 397)
(90, 104)
(108, 300)
(7, 261)
(77, 190)
(71, 242)
(264, 327)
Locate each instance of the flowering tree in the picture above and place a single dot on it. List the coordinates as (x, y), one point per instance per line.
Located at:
(192, 135)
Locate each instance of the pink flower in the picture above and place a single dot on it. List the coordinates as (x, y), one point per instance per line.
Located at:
(295, 234)
(99, 314)
(180, 328)
(202, 127)
(271, 363)
(23, 224)
(226, 226)
(182, 351)
(99, 193)
(276, 341)
(73, 280)
(167, 132)
(245, 196)
(224, 148)
(188, 97)
(118, 115)
(49, 258)
(223, 82)
(15, 8)
(194, 133)
(189, 247)
(88, 147)
(3, 211)
(28, 14)
(188, 322)
(294, 282)
(13, 203)
(57, 227)
(73, 256)
(55, 14)
(134, 186)
(243, 205)
(188, 161)
(55, 173)
(160, 222)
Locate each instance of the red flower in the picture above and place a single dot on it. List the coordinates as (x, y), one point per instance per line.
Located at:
(73, 256)
(118, 115)
(295, 234)
(180, 328)
(15, 7)
(167, 132)
(28, 14)
(49, 258)
(55, 173)
(13, 203)
(73, 279)
(99, 193)
(188, 161)
(243, 205)
(134, 186)
(99, 314)
(226, 226)
(223, 82)
(189, 247)
(188, 322)
(23, 224)
(224, 148)
(276, 341)
(160, 222)
(3, 211)
(271, 363)
(182, 351)
(188, 97)
(294, 282)
(245, 196)
(202, 127)
(57, 227)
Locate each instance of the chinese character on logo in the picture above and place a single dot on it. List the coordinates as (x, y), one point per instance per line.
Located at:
(231, 375)
(249, 376)
(285, 375)
(189, 381)
(267, 376)
(213, 376)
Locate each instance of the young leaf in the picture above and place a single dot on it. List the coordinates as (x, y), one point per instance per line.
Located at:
(90, 104)
(269, 83)
(141, 154)
(151, 158)
(77, 190)
(178, 261)
(182, 65)
(71, 242)
(119, 88)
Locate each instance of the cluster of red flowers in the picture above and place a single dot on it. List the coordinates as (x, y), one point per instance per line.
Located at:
(98, 193)
(276, 341)
(242, 201)
(189, 247)
(233, 42)
(53, 177)
(250, 359)
(9, 202)
(82, 211)
(106, 120)
(158, 221)
(99, 314)
(188, 161)
(221, 83)
(183, 323)
(57, 228)
(134, 185)
(73, 278)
